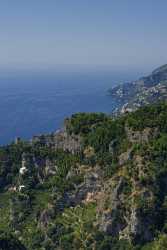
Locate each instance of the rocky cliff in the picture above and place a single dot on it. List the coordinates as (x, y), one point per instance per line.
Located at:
(100, 183)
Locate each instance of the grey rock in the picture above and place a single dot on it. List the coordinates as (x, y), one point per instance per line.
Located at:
(124, 157)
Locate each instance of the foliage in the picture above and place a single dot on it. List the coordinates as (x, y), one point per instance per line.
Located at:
(73, 225)
(9, 242)
(82, 123)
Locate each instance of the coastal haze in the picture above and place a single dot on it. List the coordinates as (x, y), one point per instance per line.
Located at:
(61, 57)
(35, 103)
(83, 128)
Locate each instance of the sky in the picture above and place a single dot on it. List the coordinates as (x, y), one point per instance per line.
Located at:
(83, 33)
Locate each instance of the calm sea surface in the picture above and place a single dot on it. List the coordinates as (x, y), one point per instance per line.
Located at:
(37, 103)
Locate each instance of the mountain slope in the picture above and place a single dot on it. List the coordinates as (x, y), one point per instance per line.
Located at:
(147, 90)
(100, 183)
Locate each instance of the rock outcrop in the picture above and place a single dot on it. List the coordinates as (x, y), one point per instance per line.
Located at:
(60, 140)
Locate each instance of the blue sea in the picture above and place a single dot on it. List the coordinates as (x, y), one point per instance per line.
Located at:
(35, 103)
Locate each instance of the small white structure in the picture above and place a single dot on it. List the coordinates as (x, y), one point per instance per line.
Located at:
(21, 187)
(23, 170)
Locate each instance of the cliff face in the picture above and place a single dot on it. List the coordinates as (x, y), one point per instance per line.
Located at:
(147, 90)
(60, 140)
(101, 183)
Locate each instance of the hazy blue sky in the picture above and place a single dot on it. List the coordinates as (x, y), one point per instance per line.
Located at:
(45, 33)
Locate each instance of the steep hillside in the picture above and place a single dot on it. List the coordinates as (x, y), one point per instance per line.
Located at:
(100, 183)
(147, 90)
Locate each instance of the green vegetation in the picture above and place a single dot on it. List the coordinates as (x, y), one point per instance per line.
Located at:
(110, 195)
(82, 123)
(8, 242)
